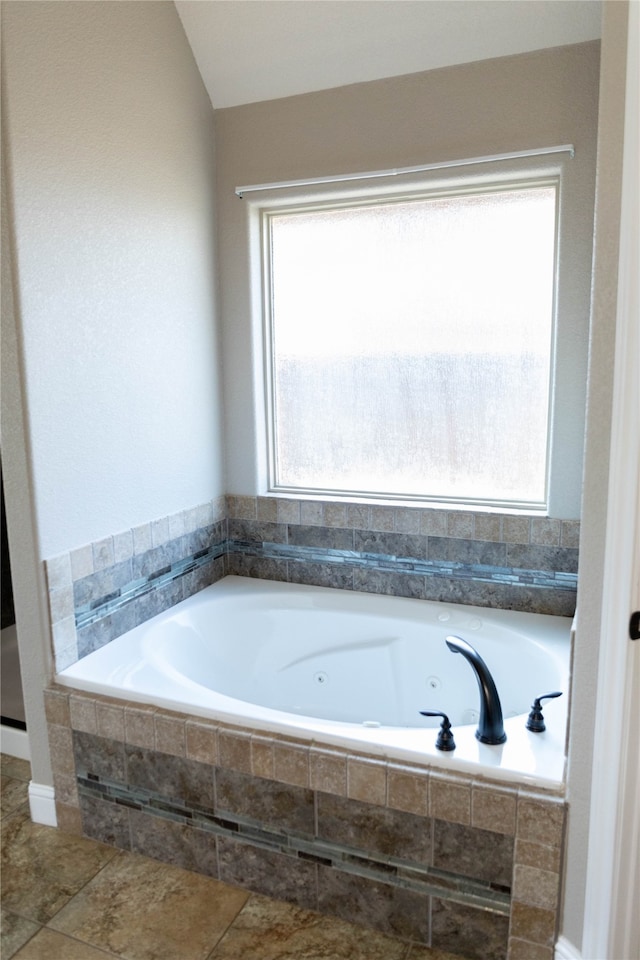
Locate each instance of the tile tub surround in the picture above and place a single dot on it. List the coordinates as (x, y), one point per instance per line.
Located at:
(492, 560)
(102, 590)
(463, 865)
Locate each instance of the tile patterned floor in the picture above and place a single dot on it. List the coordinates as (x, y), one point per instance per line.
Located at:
(67, 898)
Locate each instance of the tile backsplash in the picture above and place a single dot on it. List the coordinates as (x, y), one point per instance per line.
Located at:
(103, 589)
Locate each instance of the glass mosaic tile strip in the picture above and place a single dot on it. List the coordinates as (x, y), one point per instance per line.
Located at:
(391, 870)
(97, 609)
(481, 573)
(113, 602)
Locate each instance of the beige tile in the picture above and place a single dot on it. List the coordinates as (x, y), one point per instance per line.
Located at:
(159, 531)
(570, 536)
(408, 790)
(516, 529)
(234, 751)
(540, 821)
(49, 945)
(56, 707)
(493, 810)
(407, 520)
(271, 930)
(64, 636)
(242, 508)
(537, 887)
(450, 801)
(14, 767)
(433, 523)
(546, 531)
(288, 511)
(61, 604)
(267, 509)
(358, 516)
(13, 795)
(367, 780)
(328, 772)
(461, 524)
(312, 513)
(141, 538)
(382, 519)
(16, 931)
(123, 545)
(103, 555)
(82, 711)
(538, 855)
(110, 719)
(69, 819)
(61, 747)
(66, 788)
(204, 514)
(58, 571)
(82, 562)
(262, 757)
(201, 742)
(219, 509)
(65, 655)
(291, 764)
(488, 527)
(139, 727)
(170, 735)
(42, 868)
(146, 910)
(533, 924)
(335, 514)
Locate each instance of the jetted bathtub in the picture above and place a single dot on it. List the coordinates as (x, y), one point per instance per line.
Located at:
(349, 669)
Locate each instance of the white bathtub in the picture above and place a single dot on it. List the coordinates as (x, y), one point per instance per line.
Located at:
(348, 669)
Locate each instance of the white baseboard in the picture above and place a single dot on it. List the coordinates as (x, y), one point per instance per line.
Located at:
(42, 804)
(565, 950)
(14, 742)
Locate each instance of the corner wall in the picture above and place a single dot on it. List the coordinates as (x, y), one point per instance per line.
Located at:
(109, 141)
(109, 154)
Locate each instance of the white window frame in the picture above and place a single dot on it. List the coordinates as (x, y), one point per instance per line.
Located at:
(566, 424)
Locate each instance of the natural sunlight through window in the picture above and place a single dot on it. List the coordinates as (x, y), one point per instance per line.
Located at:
(410, 346)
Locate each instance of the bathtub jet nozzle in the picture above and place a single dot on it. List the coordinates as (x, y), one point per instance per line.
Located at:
(490, 726)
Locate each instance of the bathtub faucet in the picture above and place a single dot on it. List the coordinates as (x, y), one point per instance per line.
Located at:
(490, 726)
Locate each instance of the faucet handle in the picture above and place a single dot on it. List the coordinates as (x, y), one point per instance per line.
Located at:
(535, 720)
(444, 740)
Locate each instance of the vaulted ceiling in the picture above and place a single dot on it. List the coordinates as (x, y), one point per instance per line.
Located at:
(251, 50)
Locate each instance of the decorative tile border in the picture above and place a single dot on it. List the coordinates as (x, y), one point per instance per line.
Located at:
(104, 589)
(405, 873)
(101, 590)
(394, 563)
(89, 613)
(513, 562)
(268, 790)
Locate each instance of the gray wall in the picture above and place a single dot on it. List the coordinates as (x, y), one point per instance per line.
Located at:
(111, 409)
(109, 138)
(596, 472)
(489, 107)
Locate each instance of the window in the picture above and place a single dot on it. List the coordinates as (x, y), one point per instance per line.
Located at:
(410, 345)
